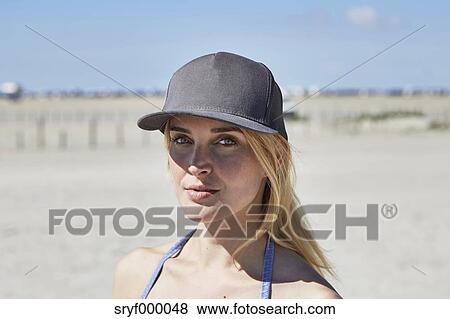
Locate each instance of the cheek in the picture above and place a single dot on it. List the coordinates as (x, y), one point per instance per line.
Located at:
(242, 176)
(175, 171)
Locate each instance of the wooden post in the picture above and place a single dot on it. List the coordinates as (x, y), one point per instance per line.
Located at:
(92, 132)
(40, 133)
(20, 140)
(120, 135)
(62, 140)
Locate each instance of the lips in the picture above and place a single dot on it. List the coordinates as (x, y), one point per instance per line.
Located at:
(201, 188)
(200, 192)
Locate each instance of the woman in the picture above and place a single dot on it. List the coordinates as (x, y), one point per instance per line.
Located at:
(230, 162)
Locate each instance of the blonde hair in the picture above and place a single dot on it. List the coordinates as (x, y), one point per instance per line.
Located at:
(286, 219)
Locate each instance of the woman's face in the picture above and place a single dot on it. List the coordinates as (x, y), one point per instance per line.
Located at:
(211, 165)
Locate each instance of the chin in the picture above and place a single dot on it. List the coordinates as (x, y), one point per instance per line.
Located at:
(201, 213)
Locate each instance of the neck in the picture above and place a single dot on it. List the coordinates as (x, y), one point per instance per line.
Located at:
(213, 246)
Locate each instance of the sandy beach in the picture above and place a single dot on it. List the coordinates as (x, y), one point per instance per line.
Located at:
(409, 168)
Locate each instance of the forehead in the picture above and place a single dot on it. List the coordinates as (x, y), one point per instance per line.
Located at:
(199, 123)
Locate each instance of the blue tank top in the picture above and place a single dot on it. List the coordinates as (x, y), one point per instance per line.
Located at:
(266, 275)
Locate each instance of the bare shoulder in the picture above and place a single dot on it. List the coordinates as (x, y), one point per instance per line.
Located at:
(294, 277)
(312, 291)
(134, 270)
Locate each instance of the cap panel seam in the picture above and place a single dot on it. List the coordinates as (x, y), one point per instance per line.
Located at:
(268, 91)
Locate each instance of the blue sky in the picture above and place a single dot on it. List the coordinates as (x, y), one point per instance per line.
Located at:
(304, 43)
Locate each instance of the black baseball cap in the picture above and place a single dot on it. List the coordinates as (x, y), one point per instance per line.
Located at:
(223, 86)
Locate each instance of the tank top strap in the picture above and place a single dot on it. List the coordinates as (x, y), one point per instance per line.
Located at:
(171, 252)
(266, 288)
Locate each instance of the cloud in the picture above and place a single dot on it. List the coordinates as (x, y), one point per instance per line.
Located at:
(368, 17)
(363, 16)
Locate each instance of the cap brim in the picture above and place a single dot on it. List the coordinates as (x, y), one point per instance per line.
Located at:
(156, 121)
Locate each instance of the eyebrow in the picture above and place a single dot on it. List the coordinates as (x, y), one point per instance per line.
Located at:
(214, 130)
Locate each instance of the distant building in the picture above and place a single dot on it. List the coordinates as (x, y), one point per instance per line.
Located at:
(293, 91)
(11, 90)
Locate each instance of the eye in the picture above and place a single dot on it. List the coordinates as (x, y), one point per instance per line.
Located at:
(180, 140)
(226, 141)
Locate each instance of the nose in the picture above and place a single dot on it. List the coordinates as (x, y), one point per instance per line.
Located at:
(200, 162)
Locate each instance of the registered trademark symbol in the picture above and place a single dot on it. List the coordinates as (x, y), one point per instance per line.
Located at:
(389, 211)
